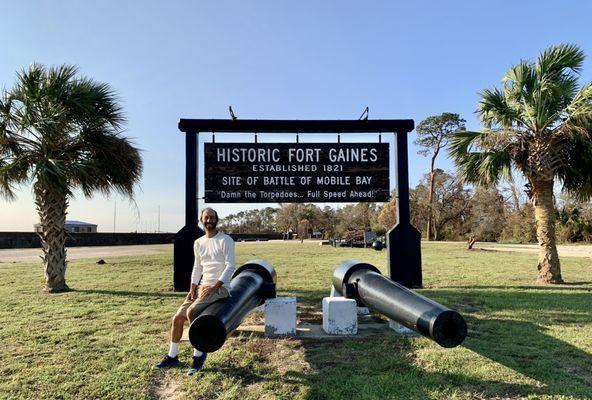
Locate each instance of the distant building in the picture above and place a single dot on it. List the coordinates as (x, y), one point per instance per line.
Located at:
(74, 227)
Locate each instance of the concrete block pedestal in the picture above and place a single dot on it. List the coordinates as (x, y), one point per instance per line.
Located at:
(340, 316)
(280, 317)
(361, 310)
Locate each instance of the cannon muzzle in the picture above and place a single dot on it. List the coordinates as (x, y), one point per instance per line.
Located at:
(251, 284)
(364, 283)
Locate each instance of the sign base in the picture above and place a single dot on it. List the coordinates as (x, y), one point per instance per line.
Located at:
(183, 256)
(404, 255)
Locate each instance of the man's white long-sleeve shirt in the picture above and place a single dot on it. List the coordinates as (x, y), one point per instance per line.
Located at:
(214, 259)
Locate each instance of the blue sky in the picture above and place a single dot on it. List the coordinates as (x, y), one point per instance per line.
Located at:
(272, 60)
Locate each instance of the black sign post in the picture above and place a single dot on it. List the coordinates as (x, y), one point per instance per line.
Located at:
(404, 252)
(404, 240)
(184, 239)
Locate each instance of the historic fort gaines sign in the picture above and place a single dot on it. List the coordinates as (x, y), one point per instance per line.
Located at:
(296, 172)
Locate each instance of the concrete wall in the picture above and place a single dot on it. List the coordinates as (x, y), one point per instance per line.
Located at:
(19, 240)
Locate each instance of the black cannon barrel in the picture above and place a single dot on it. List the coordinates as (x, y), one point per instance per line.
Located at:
(251, 284)
(364, 283)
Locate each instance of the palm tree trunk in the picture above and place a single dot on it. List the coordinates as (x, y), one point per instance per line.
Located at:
(52, 207)
(544, 214)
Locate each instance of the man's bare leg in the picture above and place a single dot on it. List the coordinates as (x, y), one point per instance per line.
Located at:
(171, 359)
(177, 327)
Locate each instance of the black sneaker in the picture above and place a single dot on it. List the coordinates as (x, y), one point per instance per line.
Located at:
(168, 362)
(197, 364)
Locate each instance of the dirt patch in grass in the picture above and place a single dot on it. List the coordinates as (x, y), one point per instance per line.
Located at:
(254, 318)
(311, 317)
(259, 365)
(164, 387)
(282, 355)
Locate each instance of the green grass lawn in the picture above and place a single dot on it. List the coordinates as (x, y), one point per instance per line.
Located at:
(101, 339)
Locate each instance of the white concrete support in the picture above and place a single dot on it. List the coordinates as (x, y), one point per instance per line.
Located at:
(401, 329)
(340, 316)
(363, 311)
(280, 317)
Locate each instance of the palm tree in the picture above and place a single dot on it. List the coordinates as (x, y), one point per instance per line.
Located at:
(539, 123)
(61, 132)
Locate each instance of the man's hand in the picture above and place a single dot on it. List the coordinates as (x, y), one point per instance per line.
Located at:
(207, 290)
(192, 295)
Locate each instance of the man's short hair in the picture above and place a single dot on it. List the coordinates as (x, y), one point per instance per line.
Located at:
(209, 209)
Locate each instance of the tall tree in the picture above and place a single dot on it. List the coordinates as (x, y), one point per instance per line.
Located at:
(61, 132)
(387, 217)
(486, 217)
(539, 121)
(290, 214)
(433, 135)
(358, 216)
(328, 221)
(450, 203)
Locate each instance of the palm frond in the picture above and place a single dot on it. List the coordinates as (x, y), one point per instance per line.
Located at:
(478, 159)
(579, 111)
(555, 59)
(109, 162)
(576, 172)
(519, 75)
(13, 172)
(495, 110)
(90, 101)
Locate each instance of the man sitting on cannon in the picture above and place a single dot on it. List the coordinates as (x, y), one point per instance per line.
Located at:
(210, 282)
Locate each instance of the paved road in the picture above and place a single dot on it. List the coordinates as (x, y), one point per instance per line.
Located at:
(565, 250)
(32, 255)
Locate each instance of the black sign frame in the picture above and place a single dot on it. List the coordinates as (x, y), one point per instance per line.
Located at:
(403, 240)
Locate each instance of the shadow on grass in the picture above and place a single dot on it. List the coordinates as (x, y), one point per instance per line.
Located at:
(129, 293)
(248, 376)
(379, 369)
(523, 344)
(524, 347)
(385, 366)
(541, 306)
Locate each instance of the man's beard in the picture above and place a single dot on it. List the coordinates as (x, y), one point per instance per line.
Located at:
(211, 226)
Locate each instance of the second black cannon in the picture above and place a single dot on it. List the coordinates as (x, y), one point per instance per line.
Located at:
(364, 283)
